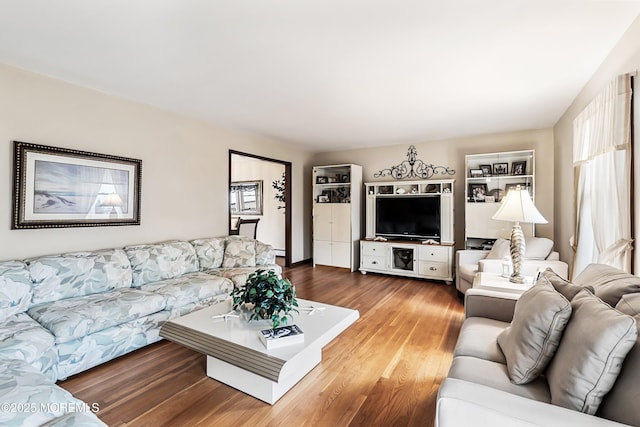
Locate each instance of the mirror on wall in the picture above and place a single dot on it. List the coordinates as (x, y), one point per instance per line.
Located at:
(245, 197)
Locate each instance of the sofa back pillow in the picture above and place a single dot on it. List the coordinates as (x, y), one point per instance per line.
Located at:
(590, 355)
(265, 254)
(210, 252)
(57, 277)
(239, 252)
(566, 288)
(161, 261)
(608, 282)
(15, 288)
(621, 403)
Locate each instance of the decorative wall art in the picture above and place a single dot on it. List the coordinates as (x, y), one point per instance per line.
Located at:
(59, 187)
(413, 168)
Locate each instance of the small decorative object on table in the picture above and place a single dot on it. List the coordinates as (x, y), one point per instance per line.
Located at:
(267, 296)
(282, 336)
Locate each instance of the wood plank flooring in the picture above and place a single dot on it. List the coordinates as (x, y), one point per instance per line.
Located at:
(384, 370)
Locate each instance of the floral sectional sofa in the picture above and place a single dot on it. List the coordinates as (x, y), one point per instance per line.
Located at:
(63, 314)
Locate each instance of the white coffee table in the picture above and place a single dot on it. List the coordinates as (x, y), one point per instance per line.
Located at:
(237, 357)
(496, 282)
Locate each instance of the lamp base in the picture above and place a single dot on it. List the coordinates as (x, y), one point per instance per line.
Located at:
(517, 247)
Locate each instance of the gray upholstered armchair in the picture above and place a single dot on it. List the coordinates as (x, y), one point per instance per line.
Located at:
(539, 255)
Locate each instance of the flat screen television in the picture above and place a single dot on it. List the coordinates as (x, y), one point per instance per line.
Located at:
(408, 217)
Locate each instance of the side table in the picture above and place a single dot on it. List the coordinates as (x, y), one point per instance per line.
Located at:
(496, 282)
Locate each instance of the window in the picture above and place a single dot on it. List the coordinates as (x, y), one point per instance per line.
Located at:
(245, 198)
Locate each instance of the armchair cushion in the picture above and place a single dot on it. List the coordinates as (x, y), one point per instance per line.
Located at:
(500, 249)
(538, 248)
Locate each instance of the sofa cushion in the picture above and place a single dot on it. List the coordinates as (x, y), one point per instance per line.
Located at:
(495, 375)
(210, 252)
(161, 261)
(591, 353)
(608, 282)
(190, 288)
(15, 288)
(532, 339)
(22, 338)
(621, 403)
(478, 338)
(22, 386)
(239, 253)
(77, 274)
(74, 318)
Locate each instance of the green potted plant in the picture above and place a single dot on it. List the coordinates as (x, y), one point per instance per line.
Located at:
(266, 296)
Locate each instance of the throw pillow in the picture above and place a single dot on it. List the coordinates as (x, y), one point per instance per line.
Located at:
(499, 250)
(608, 282)
(210, 252)
(566, 288)
(239, 253)
(590, 355)
(529, 343)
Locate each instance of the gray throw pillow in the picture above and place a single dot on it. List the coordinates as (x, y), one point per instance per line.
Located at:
(529, 343)
(608, 282)
(590, 355)
(566, 288)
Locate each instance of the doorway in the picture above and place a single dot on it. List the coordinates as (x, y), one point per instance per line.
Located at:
(246, 167)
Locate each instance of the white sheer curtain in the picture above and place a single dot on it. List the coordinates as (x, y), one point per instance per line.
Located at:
(602, 167)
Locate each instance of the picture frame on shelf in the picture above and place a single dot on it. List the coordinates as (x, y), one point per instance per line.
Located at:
(477, 192)
(513, 186)
(500, 168)
(476, 173)
(59, 187)
(519, 168)
(323, 198)
(321, 180)
(486, 170)
(497, 194)
(344, 178)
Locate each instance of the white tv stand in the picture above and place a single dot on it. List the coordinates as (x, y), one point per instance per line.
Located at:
(410, 258)
(403, 258)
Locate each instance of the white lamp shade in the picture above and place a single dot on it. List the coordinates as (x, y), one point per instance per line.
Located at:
(113, 200)
(517, 206)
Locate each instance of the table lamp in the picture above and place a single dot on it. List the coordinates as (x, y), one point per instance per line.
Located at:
(518, 207)
(113, 201)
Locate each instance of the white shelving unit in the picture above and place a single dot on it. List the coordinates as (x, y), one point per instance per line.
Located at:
(337, 202)
(488, 178)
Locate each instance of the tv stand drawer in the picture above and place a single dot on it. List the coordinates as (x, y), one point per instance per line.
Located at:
(374, 262)
(433, 253)
(374, 249)
(433, 269)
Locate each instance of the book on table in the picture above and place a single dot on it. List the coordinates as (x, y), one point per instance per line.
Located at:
(281, 336)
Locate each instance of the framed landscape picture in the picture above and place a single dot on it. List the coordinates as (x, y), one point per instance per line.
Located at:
(59, 187)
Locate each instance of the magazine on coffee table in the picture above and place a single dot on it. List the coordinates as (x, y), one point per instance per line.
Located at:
(281, 336)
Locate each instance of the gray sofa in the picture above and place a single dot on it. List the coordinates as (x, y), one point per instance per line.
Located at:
(63, 314)
(562, 354)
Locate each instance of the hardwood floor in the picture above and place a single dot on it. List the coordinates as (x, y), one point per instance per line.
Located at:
(384, 370)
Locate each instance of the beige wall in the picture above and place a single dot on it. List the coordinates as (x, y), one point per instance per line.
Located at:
(184, 165)
(452, 153)
(625, 57)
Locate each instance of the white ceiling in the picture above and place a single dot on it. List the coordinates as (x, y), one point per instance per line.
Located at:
(327, 74)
